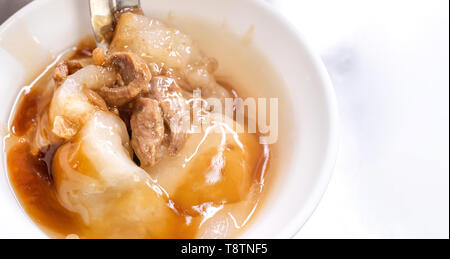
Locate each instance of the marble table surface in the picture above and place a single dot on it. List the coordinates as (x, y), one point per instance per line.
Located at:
(389, 63)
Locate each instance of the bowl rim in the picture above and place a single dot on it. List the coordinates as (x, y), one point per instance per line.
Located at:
(333, 145)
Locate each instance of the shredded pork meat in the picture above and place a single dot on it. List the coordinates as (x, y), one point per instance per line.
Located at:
(134, 78)
(147, 128)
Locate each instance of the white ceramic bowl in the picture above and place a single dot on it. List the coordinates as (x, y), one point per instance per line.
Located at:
(307, 149)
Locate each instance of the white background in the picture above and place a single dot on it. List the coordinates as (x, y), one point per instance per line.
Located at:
(389, 62)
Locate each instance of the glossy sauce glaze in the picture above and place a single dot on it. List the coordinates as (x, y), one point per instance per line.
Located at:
(203, 205)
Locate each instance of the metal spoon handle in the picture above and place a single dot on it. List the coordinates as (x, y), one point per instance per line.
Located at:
(117, 5)
(103, 19)
(102, 22)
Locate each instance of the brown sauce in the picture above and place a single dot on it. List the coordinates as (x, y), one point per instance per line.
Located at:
(33, 185)
(31, 174)
(28, 110)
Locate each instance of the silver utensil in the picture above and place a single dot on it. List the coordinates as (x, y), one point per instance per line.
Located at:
(103, 17)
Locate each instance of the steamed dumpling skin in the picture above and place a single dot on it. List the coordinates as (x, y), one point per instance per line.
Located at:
(214, 168)
(72, 104)
(154, 41)
(164, 46)
(96, 178)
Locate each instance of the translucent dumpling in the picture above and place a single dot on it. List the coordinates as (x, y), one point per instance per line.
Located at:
(214, 168)
(75, 101)
(96, 178)
(170, 51)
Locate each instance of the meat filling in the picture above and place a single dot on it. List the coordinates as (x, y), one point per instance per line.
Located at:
(134, 79)
(166, 91)
(147, 128)
(65, 69)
